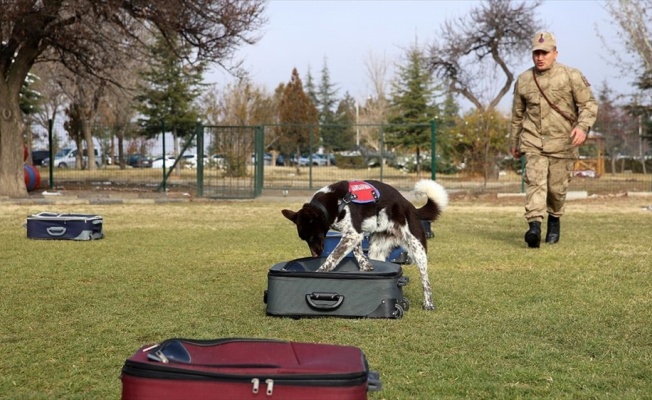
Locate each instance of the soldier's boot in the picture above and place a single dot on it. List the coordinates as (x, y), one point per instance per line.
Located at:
(533, 235)
(554, 228)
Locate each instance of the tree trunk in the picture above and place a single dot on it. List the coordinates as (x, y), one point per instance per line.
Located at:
(12, 175)
(90, 146)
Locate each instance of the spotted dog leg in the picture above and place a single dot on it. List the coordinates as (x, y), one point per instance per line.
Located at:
(421, 260)
(347, 243)
(363, 261)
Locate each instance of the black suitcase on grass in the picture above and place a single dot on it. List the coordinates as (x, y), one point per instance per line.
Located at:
(295, 290)
(241, 369)
(47, 225)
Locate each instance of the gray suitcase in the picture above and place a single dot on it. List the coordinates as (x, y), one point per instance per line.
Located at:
(48, 225)
(295, 290)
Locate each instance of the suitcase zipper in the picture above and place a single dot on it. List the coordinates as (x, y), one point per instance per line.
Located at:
(256, 386)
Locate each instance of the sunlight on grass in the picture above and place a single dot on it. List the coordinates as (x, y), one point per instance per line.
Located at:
(564, 321)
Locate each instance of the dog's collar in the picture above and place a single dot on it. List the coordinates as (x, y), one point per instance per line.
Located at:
(323, 209)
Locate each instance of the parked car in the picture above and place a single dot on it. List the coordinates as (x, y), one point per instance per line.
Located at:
(158, 162)
(139, 161)
(191, 160)
(218, 161)
(317, 160)
(66, 158)
(39, 155)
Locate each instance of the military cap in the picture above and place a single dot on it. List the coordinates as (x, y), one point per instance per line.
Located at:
(544, 41)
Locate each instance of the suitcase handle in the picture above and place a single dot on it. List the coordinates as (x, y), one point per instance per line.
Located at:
(56, 231)
(335, 299)
(373, 382)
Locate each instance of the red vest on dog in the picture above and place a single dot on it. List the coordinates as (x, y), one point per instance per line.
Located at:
(362, 192)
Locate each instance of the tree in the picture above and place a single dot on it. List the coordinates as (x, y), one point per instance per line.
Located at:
(241, 103)
(169, 88)
(298, 118)
(475, 56)
(343, 119)
(67, 32)
(631, 17)
(480, 133)
(331, 133)
(475, 50)
(413, 105)
(615, 124)
(375, 109)
(30, 105)
(448, 123)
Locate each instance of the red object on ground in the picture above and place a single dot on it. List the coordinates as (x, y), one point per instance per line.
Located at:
(32, 177)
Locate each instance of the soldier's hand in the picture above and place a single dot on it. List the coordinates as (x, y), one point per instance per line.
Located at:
(578, 136)
(515, 152)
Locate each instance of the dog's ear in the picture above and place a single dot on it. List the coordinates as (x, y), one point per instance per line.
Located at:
(291, 215)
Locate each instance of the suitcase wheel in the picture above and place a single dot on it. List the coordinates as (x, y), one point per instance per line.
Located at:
(405, 304)
(398, 313)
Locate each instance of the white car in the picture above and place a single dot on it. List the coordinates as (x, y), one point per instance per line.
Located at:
(191, 160)
(66, 158)
(158, 162)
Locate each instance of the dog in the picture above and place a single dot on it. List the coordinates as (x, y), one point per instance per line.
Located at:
(358, 207)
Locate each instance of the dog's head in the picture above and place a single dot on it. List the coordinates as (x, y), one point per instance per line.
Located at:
(311, 227)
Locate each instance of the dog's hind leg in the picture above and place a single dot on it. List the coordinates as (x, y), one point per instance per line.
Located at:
(420, 257)
(381, 245)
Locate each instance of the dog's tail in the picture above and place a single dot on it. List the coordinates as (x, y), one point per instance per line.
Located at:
(437, 199)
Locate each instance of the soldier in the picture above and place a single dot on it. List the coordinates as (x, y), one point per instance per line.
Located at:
(552, 113)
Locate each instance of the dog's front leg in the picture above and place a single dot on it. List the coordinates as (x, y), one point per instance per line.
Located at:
(344, 247)
(363, 261)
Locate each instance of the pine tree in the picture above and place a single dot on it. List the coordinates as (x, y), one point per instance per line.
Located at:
(298, 118)
(171, 86)
(413, 104)
(344, 119)
(326, 101)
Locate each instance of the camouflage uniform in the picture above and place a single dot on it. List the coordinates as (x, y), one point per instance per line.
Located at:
(543, 134)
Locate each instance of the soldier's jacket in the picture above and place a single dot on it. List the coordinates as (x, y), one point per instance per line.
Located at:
(538, 128)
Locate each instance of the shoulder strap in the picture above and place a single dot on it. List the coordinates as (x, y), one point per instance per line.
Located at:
(554, 107)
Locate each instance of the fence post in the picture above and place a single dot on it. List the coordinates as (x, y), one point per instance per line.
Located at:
(433, 153)
(163, 183)
(382, 152)
(51, 153)
(199, 131)
(260, 160)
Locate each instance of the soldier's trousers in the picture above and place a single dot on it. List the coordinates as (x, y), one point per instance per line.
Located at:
(547, 180)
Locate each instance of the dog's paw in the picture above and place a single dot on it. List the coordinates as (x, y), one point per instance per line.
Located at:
(366, 266)
(428, 306)
(325, 268)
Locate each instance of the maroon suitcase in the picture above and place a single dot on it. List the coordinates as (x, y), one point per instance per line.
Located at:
(241, 369)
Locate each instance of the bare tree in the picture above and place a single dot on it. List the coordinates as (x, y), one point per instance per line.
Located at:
(375, 109)
(240, 103)
(68, 32)
(473, 52)
(476, 55)
(635, 26)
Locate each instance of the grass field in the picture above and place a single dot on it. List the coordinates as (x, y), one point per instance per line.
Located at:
(570, 321)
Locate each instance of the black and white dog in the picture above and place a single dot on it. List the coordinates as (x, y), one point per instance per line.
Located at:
(358, 207)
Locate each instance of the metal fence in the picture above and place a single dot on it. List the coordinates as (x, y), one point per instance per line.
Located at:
(244, 162)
